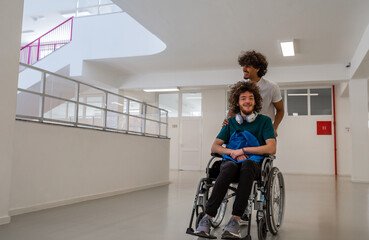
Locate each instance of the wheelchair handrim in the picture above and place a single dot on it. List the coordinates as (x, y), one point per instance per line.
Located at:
(276, 201)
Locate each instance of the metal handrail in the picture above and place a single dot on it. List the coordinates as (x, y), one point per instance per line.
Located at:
(104, 108)
(30, 57)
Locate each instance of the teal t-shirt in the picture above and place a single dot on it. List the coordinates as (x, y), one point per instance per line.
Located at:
(261, 128)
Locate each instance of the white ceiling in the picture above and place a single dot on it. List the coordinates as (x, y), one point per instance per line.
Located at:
(50, 10)
(207, 34)
(210, 34)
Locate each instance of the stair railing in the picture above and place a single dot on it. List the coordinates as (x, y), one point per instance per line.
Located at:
(47, 43)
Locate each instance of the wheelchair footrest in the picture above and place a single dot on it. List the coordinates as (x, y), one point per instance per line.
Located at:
(192, 232)
(247, 237)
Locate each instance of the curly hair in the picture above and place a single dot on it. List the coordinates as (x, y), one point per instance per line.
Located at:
(255, 59)
(239, 88)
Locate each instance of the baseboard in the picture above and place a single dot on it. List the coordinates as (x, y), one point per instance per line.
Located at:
(307, 174)
(344, 175)
(18, 211)
(360, 180)
(4, 220)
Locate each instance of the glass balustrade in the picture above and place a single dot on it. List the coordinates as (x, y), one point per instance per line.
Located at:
(52, 98)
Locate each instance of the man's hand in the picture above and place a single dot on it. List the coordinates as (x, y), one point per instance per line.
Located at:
(236, 153)
(242, 157)
(225, 122)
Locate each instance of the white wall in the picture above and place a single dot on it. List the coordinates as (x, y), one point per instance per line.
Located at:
(343, 129)
(300, 150)
(149, 98)
(287, 75)
(57, 165)
(173, 134)
(214, 110)
(10, 12)
(358, 89)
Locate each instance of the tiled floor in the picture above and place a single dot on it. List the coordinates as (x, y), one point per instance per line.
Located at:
(317, 207)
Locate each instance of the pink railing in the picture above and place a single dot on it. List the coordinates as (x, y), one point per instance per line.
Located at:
(47, 43)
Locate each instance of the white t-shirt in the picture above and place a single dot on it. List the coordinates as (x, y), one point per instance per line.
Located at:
(270, 93)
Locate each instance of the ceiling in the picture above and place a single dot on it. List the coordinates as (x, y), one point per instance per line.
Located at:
(40, 16)
(210, 34)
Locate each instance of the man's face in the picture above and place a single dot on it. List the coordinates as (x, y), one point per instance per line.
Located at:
(249, 72)
(246, 102)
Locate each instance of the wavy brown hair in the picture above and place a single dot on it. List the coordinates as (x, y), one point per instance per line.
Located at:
(239, 88)
(255, 59)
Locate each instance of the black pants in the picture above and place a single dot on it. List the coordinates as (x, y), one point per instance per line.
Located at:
(245, 173)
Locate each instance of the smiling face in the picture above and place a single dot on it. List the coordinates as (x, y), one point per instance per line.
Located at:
(249, 72)
(246, 102)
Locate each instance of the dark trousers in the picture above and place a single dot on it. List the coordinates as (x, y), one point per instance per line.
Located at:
(245, 173)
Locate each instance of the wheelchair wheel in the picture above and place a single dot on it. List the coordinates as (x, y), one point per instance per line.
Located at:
(217, 220)
(262, 228)
(275, 199)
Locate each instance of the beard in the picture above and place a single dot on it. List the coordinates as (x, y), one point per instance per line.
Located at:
(245, 112)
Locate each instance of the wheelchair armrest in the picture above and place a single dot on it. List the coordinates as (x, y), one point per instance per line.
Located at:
(216, 155)
(270, 156)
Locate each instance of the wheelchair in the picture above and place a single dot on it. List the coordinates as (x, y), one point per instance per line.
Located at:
(267, 197)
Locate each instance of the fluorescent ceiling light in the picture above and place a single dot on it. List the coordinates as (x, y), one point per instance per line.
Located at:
(68, 14)
(117, 103)
(301, 94)
(83, 13)
(73, 14)
(194, 98)
(288, 49)
(28, 32)
(162, 90)
(38, 18)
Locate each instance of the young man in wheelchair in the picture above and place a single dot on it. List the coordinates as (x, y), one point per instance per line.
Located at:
(248, 136)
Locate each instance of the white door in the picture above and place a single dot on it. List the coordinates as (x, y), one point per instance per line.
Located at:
(190, 143)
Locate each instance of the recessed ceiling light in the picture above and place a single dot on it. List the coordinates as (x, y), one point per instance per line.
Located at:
(68, 14)
(28, 32)
(38, 18)
(288, 48)
(76, 14)
(301, 94)
(83, 13)
(162, 90)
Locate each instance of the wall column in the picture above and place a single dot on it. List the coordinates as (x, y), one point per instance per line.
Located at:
(11, 27)
(359, 126)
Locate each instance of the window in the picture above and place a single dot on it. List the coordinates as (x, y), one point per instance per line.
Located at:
(297, 102)
(191, 104)
(95, 7)
(94, 101)
(321, 101)
(317, 100)
(169, 102)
